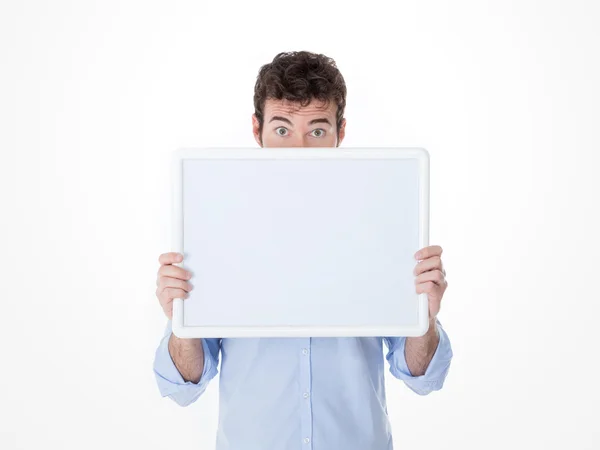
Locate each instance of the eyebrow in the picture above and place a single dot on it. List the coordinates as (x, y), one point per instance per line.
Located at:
(283, 119)
(312, 122)
(322, 120)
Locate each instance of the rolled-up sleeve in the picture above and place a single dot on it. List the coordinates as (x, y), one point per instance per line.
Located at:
(437, 370)
(169, 380)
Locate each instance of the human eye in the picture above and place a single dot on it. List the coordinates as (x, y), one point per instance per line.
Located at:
(320, 132)
(281, 131)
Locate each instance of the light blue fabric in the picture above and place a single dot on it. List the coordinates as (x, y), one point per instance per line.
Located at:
(301, 393)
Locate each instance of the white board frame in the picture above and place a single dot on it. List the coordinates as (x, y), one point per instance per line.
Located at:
(181, 154)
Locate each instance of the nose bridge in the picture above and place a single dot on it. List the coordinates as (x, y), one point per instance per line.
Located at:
(301, 141)
(305, 140)
(298, 141)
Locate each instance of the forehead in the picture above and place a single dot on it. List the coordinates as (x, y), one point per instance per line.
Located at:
(287, 108)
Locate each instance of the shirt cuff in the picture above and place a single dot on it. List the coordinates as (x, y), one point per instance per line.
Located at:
(437, 370)
(169, 380)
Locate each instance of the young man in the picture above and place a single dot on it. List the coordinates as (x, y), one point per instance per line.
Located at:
(304, 393)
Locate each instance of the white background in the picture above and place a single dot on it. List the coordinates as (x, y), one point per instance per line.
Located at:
(95, 95)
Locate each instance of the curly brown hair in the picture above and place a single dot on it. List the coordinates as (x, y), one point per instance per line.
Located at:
(300, 77)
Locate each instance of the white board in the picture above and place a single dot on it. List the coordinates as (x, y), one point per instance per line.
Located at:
(297, 242)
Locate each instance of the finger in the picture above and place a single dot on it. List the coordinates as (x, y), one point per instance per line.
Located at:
(174, 272)
(435, 276)
(433, 263)
(169, 294)
(168, 282)
(425, 288)
(170, 258)
(428, 252)
(433, 291)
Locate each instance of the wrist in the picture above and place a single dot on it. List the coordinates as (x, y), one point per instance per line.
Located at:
(432, 331)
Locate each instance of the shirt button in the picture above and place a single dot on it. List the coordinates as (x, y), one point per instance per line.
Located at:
(306, 394)
(306, 440)
(304, 351)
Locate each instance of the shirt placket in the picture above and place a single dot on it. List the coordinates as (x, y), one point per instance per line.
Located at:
(306, 394)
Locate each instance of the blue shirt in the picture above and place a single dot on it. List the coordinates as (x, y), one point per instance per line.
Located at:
(301, 393)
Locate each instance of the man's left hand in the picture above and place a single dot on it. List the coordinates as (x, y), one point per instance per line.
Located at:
(431, 277)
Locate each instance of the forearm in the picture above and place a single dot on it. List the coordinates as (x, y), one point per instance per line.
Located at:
(420, 350)
(188, 357)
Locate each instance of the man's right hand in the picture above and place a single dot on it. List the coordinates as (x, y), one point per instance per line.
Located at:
(171, 281)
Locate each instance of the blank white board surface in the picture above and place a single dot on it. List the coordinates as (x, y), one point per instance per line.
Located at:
(300, 241)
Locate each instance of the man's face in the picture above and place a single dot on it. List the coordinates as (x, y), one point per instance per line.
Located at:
(288, 124)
